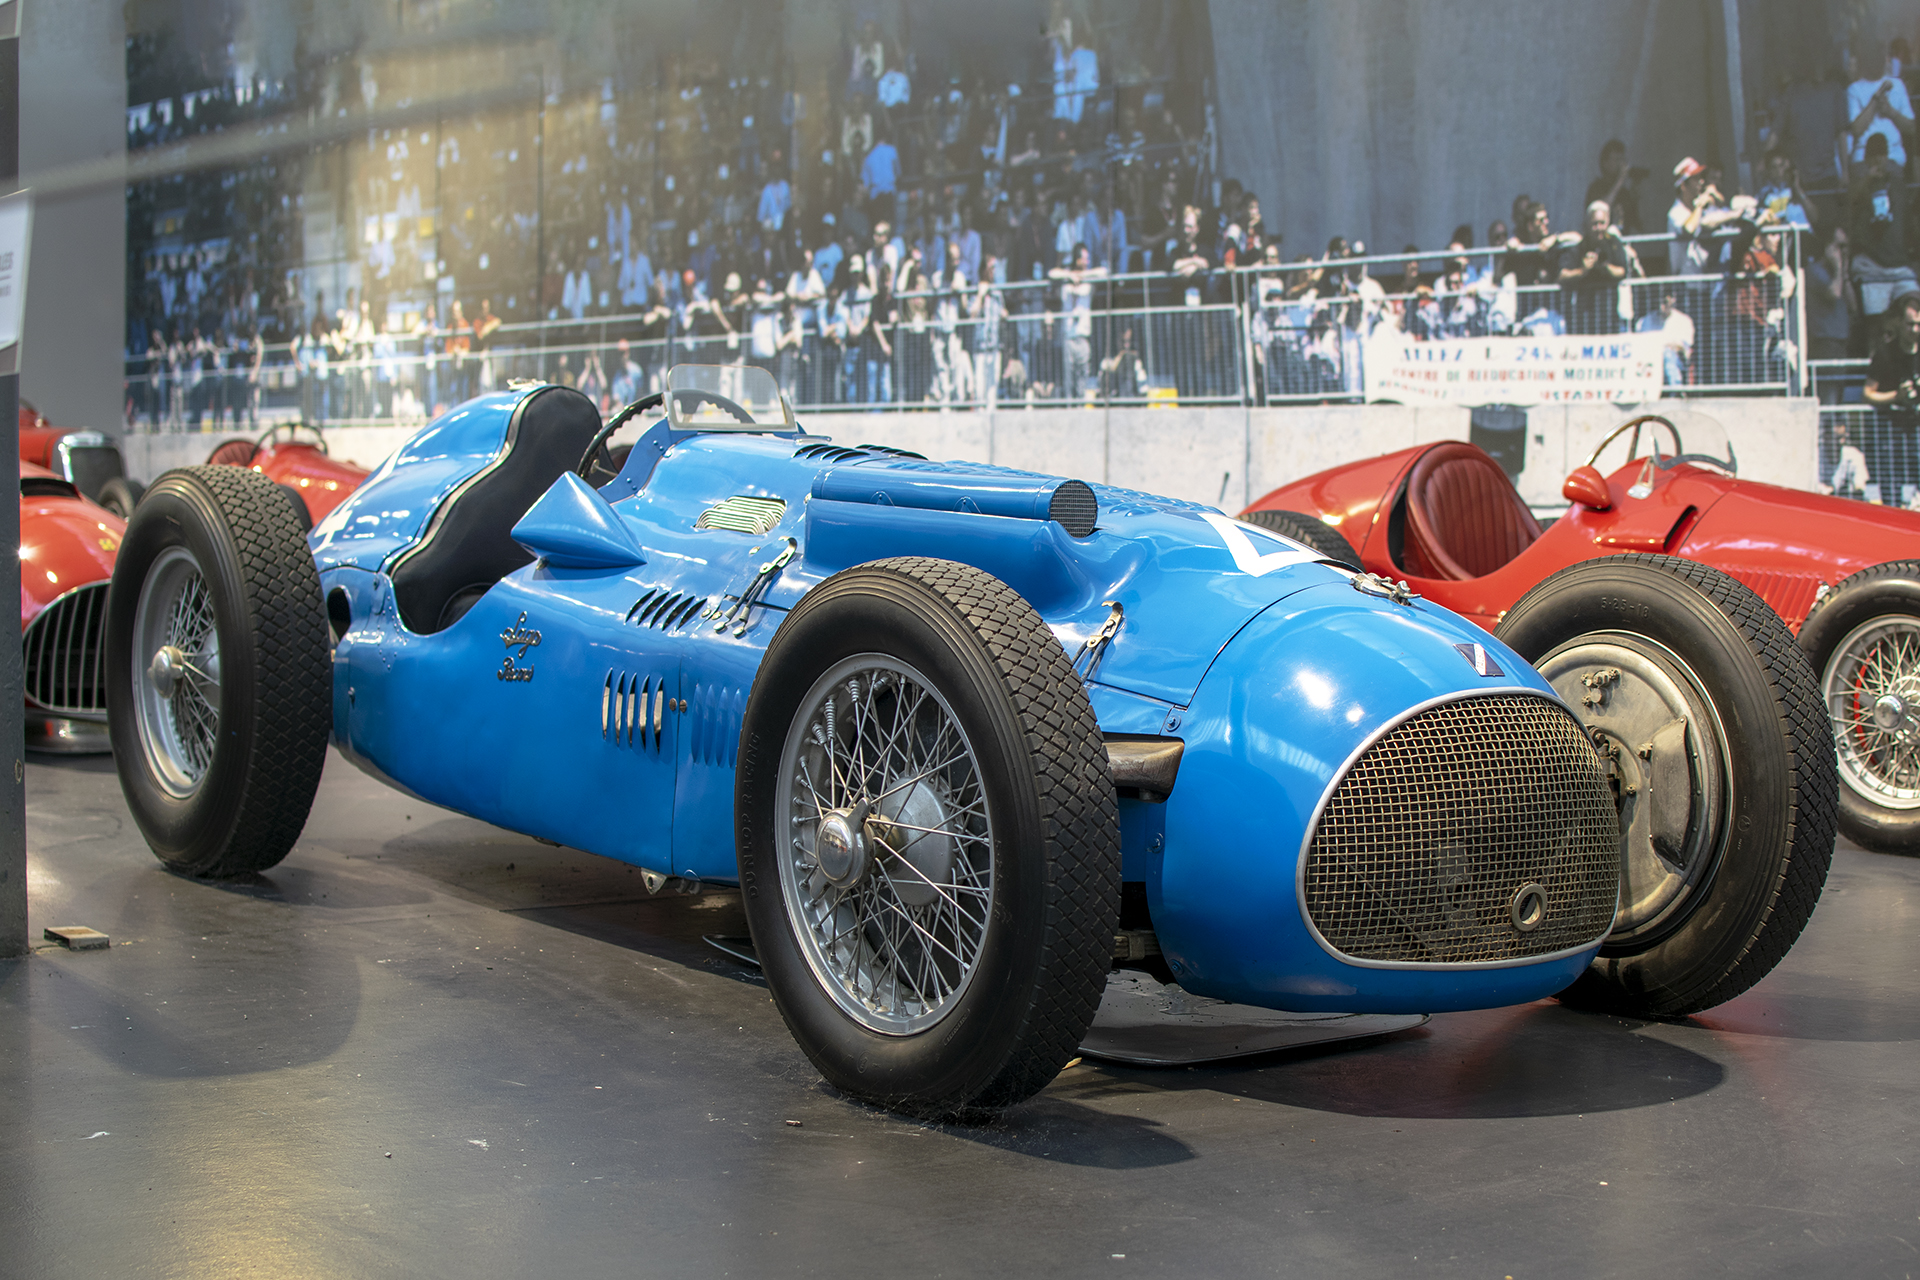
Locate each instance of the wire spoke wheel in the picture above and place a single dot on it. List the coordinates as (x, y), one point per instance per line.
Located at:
(1872, 690)
(887, 861)
(177, 673)
(219, 679)
(928, 838)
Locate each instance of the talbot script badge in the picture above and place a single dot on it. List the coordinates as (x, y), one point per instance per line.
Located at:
(520, 636)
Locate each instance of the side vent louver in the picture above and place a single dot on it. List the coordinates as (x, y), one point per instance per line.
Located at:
(742, 514)
(633, 710)
(665, 610)
(830, 452)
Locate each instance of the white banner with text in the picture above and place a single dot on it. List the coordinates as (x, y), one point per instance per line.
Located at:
(1623, 368)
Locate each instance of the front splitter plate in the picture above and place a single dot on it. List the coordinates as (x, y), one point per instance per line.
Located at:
(1146, 1024)
(1143, 1023)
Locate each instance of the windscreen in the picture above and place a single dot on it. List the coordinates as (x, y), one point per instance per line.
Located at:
(726, 397)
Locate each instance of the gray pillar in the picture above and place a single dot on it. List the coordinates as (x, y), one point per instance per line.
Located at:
(13, 734)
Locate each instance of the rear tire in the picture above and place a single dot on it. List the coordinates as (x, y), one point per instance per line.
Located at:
(1713, 728)
(121, 495)
(219, 683)
(1863, 641)
(1322, 537)
(951, 972)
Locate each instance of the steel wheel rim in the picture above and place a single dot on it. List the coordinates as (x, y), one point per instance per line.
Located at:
(1872, 690)
(177, 700)
(897, 941)
(1663, 864)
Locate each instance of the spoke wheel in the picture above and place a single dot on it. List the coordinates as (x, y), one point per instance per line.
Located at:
(928, 838)
(218, 676)
(177, 687)
(1863, 637)
(1872, 690)
(888, 864)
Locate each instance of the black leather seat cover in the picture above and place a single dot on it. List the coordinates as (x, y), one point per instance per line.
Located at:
(469, 542)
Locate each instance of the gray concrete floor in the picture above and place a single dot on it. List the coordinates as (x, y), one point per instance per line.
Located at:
(422, 1046)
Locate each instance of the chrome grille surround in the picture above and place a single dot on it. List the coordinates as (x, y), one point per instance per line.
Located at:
(1420, 849)
(64, 665)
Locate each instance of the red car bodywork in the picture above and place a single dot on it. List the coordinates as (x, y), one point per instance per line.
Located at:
(1784, 543)
(67, 549)
(322, 482)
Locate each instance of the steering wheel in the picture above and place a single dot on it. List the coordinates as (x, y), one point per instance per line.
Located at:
(689, 400)
(596, 451)
(1668, 462)
(293, 429)
(1633, 450)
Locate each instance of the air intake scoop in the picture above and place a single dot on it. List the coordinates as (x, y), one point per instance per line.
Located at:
(1069, 503)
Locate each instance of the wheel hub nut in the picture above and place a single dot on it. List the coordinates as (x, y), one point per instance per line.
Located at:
(1889, 712)
(841, 848)
(166, 669)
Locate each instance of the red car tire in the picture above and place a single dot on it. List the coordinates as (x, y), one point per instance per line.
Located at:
(1863, 642)
(1711, 723)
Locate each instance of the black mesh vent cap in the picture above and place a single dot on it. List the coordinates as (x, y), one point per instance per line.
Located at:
(1074, 508)
(1424, 847)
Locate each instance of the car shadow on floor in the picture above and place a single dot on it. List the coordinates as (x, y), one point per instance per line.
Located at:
(1541, 1059)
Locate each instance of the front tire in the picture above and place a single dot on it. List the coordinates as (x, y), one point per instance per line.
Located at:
(1322, 537)
(928, 838)
(1713, 731)
(218, 676)
(121, 495)
(1863, 640)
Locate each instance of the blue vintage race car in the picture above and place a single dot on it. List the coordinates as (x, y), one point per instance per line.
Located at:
(967, 737)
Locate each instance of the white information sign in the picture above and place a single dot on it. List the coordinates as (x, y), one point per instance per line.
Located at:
(16, 230)
(1621, 367)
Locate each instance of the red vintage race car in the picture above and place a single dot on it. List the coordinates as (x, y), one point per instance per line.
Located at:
(1843, 574)
(87, 458)
(294, 456)
(67, 549)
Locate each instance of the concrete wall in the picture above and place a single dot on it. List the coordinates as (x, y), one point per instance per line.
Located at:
(1223, 457)
(73, 108)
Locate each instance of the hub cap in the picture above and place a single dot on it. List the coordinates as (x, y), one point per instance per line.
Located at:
(885, 849)
(1665, 753)
(176, 676)
(1872, 690)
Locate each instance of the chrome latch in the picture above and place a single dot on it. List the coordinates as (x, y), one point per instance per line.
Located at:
(1092, 647)
(739, 614)
(1374, 585)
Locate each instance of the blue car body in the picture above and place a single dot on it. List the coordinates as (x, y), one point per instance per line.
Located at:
(595, 696)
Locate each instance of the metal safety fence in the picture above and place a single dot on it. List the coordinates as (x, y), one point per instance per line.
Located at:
(1267, 334)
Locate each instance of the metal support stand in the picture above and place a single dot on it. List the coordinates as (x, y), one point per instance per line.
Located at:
(13, 791)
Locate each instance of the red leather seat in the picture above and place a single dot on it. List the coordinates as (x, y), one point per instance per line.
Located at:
(1464, 519)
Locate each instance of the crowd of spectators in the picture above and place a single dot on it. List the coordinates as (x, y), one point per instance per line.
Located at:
(1038, 236)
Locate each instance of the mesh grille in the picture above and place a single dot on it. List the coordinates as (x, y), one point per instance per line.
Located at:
(66, 653)
(1427, 840)
(1074, 508)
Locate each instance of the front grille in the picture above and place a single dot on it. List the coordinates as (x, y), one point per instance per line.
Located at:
(1427, 842)
(66, 653)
